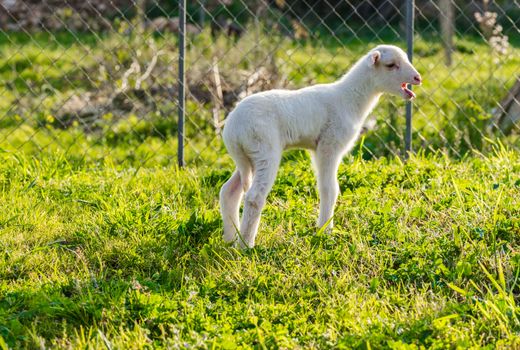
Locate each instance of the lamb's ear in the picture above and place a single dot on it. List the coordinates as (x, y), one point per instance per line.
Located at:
(374, 57)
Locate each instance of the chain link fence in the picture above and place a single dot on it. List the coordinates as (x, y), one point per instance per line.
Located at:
(99, 80)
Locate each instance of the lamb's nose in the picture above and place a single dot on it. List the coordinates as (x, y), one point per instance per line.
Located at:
(417, 79)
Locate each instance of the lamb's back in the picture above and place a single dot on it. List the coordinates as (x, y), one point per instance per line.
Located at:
(295, 116)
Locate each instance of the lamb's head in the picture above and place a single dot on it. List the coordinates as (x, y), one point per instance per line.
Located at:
(393, 70)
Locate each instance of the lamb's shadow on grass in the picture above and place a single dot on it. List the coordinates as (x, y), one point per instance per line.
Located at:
(185, 245)
(194, 232)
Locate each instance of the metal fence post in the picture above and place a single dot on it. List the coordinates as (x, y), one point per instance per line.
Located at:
(410, 9)
(182, 81)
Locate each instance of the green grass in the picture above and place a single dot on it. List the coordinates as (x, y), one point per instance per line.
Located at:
(423, 254)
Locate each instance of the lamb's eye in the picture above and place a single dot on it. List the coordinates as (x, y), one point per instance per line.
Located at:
(391, 65)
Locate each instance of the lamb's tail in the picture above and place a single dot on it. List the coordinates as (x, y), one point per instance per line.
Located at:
(236, 151)
(244, 167)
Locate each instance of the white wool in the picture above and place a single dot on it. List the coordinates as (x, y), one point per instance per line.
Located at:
(325, 119)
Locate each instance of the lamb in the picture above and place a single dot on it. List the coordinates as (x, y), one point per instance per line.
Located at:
(325, 119)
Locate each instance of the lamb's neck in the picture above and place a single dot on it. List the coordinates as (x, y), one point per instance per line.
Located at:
(357, 87)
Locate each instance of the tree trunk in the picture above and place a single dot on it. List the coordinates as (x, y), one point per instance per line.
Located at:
(447, 28)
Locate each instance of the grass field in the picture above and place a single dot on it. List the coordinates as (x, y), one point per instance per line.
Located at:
(105, 243)
(423, 254)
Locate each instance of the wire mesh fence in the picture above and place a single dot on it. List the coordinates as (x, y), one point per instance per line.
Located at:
(99, 80)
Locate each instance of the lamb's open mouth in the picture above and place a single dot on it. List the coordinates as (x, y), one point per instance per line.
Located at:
(407, 93)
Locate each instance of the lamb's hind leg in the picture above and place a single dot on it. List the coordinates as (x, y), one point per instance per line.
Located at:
(230, 198)
(327, 162)
(266, 168)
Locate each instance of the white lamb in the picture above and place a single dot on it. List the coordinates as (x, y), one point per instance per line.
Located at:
(325, 119)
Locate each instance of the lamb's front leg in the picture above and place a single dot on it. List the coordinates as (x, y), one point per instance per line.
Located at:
(327, 161)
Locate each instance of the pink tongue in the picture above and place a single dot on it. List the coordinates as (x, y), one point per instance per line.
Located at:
(408, 91)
